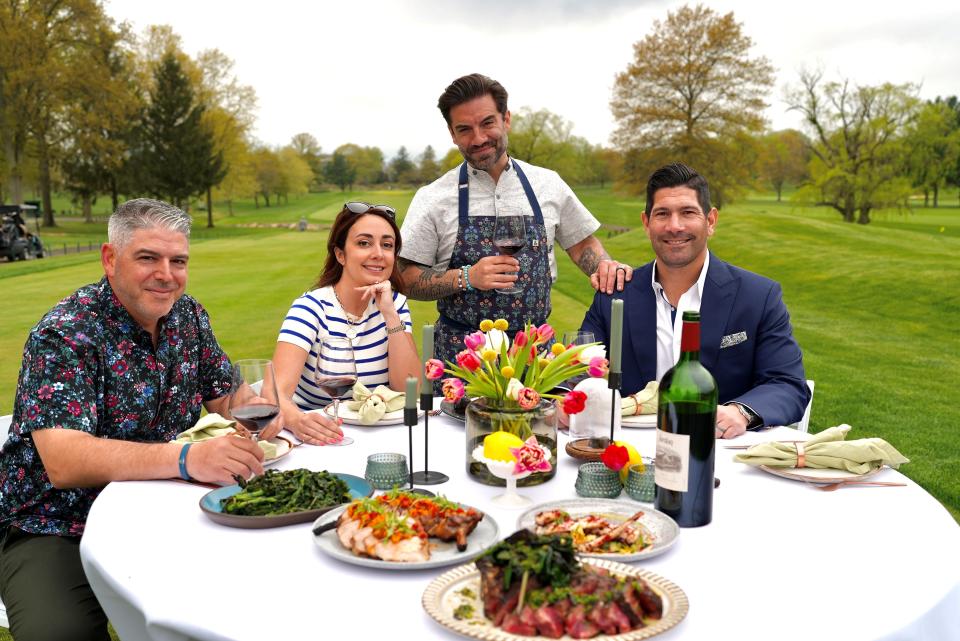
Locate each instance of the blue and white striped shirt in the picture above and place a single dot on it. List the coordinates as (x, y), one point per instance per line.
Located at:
(316, 315)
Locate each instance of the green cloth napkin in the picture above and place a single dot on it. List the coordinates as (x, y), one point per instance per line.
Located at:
(828, 449)
(371, 406)
(212, 426)
(645, 398)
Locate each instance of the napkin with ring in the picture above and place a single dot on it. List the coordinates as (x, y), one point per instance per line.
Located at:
(212, 426)
(642, 402)
(371, 406)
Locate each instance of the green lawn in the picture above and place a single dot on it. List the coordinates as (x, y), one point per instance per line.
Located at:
(873, 306)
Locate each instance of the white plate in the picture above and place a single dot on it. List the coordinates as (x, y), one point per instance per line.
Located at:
(639, 420)
(441, 553)
(664, 528)
(816, 475)
(444, 595)
(351, 417)
(284, 447)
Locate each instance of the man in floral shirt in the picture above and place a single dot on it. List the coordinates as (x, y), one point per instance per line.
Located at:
(109, 376)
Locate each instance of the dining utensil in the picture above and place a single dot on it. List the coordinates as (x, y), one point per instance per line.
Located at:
(830, 487)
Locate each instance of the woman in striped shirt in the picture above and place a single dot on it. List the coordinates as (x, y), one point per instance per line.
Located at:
(356, 297)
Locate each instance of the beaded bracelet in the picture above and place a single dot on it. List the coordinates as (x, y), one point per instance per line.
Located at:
(466, 277)
(183, 461)
(459, 280)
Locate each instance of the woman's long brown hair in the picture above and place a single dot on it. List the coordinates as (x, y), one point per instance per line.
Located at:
(333, 270)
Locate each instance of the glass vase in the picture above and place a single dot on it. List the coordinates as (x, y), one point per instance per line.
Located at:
(485, 416)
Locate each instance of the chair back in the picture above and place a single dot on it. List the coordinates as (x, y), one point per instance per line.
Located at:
(804, 424)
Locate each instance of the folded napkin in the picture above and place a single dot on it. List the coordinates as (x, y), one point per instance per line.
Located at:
(213, 425)
(642, 402)
(827, 450)
(371, 406)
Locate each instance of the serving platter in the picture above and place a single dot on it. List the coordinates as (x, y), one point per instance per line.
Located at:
(663, 528)
(210, 504)
(441, 553)
(815, 474)
(352, 417)
(447, 592)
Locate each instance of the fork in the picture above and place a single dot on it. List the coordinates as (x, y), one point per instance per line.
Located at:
(830, 487)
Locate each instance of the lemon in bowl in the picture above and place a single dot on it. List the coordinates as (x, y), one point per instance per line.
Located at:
(496, 446)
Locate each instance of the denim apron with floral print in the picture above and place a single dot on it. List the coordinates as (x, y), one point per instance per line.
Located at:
(462, 312)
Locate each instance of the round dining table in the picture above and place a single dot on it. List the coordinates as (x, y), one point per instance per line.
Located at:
(780, 560)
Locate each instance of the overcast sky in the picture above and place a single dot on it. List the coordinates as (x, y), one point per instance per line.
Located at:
(370, 71)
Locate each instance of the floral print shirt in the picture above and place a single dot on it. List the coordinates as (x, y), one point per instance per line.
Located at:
(89, 366)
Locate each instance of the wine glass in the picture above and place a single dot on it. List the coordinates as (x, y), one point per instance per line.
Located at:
(509, 237)
(254, 402)
(336, 374)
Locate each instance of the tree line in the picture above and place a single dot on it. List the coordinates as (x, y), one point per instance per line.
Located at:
(90, 108)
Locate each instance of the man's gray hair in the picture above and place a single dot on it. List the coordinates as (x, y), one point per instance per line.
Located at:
(145, 213)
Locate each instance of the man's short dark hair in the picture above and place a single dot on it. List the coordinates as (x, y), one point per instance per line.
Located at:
(678, 175)
(467, 88)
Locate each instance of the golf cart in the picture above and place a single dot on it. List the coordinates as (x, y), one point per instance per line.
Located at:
(16, 241)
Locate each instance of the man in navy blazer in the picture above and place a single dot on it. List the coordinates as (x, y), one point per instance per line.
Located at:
(746, 340)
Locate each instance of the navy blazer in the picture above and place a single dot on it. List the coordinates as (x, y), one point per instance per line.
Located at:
(764, 372)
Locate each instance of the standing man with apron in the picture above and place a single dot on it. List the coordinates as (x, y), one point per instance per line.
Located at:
(448, 252)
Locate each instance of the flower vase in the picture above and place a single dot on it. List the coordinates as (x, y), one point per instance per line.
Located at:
(485, 416)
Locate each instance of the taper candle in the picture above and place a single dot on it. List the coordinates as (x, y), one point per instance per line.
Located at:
(616, 334)
(427, 352)
(410, 402)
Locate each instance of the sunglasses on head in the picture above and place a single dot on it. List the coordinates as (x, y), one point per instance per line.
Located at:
(360, 207)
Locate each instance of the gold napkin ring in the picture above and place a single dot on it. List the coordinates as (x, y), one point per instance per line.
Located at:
(636, 401)
(801, 455)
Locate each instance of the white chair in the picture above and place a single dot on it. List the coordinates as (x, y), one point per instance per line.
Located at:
(804, 424)
(4, 431)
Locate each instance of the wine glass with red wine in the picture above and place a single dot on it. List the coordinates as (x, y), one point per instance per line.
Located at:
(509, 237)
(254, 402)
(336, 374)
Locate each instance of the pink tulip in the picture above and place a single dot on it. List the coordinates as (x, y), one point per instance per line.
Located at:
(544, 333)
(531, 457)
(528, 398)
(453, 389)
(520, 339)
(475, 340)
(433, 369)
(468, 360)
(598, 367)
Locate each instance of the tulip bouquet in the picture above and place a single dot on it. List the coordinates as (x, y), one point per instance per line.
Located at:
(518, 372)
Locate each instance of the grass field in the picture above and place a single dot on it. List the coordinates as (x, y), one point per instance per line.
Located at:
(872, 306)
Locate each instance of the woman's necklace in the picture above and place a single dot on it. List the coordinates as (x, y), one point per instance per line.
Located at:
(352, 319)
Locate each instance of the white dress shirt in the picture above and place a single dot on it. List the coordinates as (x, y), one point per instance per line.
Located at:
(670, 320)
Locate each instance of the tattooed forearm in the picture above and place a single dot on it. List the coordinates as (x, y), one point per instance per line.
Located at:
(428, 283)
(590, 259)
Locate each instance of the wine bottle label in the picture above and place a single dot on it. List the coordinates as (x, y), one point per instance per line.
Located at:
(673, 461)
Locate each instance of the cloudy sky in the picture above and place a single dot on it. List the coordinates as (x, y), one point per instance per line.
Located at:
(370, 71)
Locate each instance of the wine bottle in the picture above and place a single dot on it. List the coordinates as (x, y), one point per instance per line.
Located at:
(686, 418)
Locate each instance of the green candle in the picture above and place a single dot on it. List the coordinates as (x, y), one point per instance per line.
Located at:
(411, 399)
(616, 334)
(427, 351)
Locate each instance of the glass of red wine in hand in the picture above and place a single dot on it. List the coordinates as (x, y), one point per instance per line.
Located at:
(254, 402)
(509, 237)
(335, 374)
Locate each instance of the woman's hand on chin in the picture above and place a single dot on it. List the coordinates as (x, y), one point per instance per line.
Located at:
(315, 428)
(381, 292)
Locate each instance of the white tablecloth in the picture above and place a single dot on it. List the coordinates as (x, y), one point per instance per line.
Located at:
(780, 560)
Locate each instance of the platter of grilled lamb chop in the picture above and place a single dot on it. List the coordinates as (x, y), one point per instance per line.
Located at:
(604, 528)
(538, 585)
(399, 530)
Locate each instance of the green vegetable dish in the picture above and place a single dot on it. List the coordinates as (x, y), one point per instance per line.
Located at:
(277, 492)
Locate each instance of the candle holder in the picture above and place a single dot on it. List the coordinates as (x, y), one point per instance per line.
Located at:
(410, 419)
(427, 476)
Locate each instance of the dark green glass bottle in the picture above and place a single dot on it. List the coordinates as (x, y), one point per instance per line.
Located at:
(686, 419)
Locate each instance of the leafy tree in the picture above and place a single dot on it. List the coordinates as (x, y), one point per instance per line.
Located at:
(453, 158)
(177, 155)
(933, 142)
(690, 94)
(241, 179)
(402, 169)
(266, 170)
(295, 174)
(367, 163)
(429, 168)
(339, 172)
(783, 158)
(309, 150)
(858, 156)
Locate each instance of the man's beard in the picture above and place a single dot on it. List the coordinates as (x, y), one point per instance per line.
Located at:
(486, 164)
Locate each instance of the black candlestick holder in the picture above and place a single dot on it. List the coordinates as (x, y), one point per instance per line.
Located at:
(428, 477)
(613, 383)
(410, 419)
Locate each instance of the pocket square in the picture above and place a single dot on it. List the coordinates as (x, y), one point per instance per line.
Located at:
(733, 339)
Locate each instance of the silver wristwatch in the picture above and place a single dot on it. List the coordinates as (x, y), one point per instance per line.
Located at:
(752, 419)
